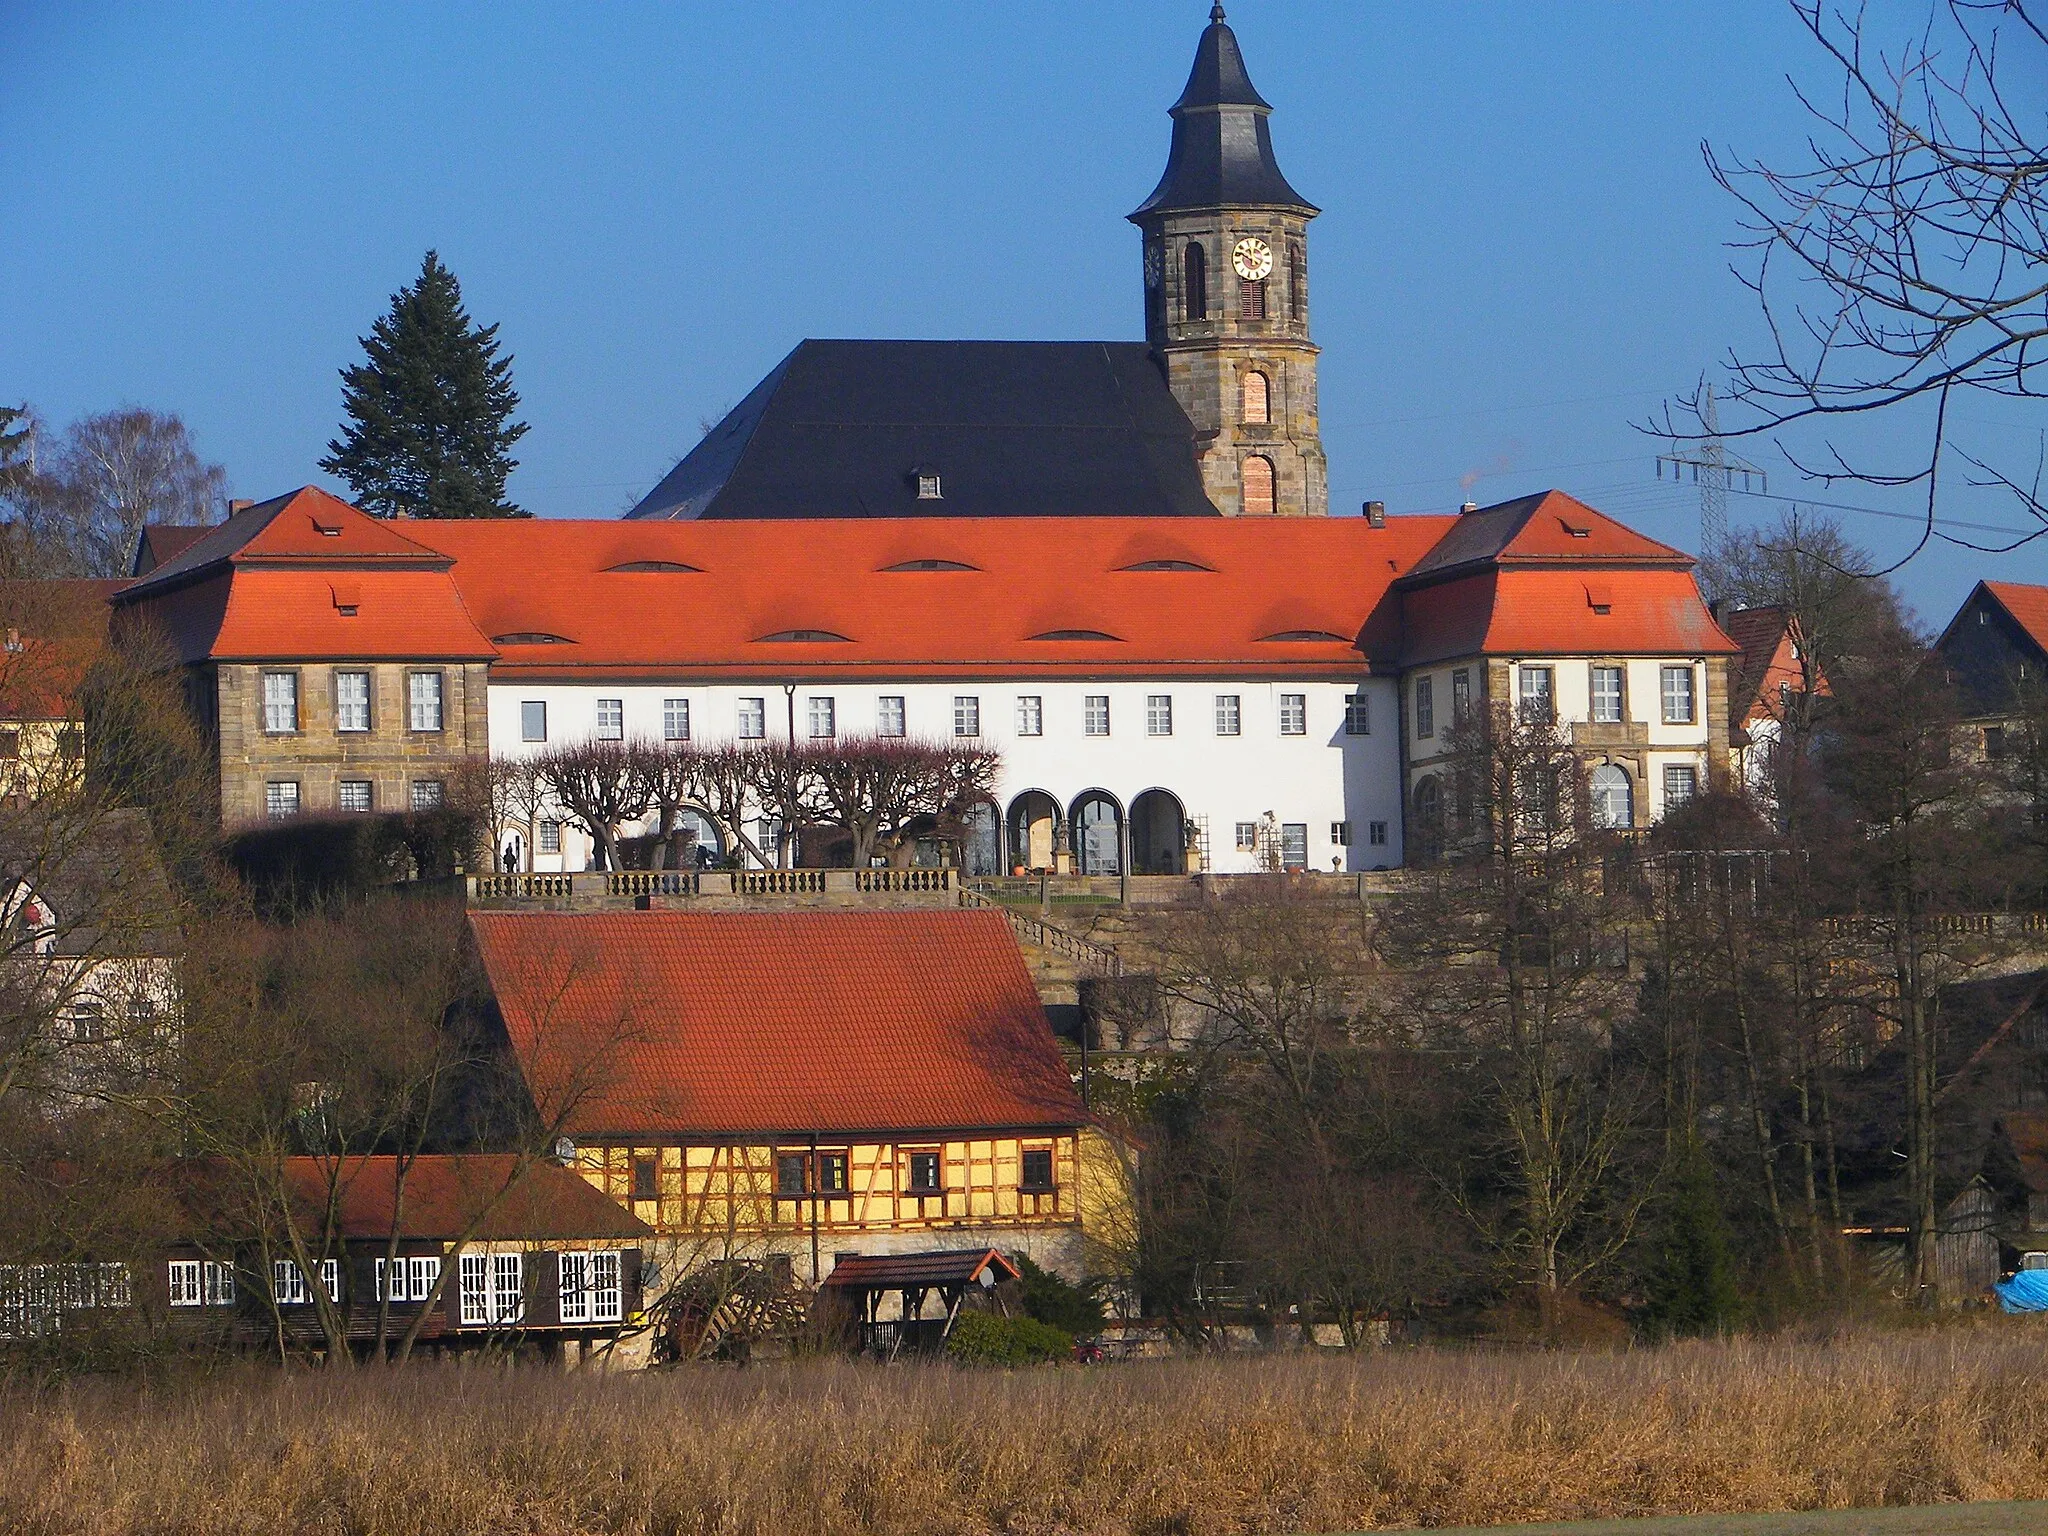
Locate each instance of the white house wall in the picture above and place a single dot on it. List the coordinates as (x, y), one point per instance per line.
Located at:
(1319, 779)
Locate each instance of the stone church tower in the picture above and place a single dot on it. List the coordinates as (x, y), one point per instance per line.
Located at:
(1226, 293)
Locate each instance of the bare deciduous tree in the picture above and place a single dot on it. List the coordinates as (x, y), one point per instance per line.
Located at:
(84, 501)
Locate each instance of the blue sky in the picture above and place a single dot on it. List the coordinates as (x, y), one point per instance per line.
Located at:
(1520, 251)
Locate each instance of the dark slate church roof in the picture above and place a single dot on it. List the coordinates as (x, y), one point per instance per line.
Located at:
(1012, 429)
(1222, 150)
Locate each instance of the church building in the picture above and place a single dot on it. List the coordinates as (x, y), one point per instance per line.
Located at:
(1215, 675)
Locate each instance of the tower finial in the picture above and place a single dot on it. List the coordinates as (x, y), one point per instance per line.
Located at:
(1216, 12)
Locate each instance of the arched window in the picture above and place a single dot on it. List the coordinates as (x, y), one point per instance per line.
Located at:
(1257, 399)
(1258, 486)
(1194, 282)
(1613, 796)
(1297, 280)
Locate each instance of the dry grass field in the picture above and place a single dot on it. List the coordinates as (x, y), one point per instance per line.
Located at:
(1228, 1445)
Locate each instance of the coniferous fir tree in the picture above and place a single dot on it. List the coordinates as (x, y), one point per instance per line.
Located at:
(430, 410)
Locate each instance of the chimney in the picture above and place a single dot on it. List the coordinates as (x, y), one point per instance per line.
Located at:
(1470, 506)
(1376, 514)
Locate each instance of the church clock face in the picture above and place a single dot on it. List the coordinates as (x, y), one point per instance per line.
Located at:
(1252, 258)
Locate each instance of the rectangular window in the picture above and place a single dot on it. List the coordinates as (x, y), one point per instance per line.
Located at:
(675, 719)
(753, 721)
(330, 1278)
(1994, 741)
(1681, 783)
(1607, 695)
(281, 799)
(790, 1169)
(280, 703)
(425, 695)
(533, 720)
(1293, 714)
(219, 1282)
(473, 1288)
(1030, 715)
(1425, 708)
(1037, 1170)
(891, 719)
(1159, 714)
(646, 1179)
(1461, 694)
(1357, 715)
(183, 1279)
(611, 719)
(1294, 845)
(1537, 695)
(508, 1295)
(1095, 715)
(1340, 834)
(287, 1284)
(832, 1173)
(966, 715)
(551, 837)
(1247, 836)
(1229, 715)
(351, 701)
(823, 715)
(427, 794)
(1678, 695)
(573, 1297)
(607, 1290)
(412, 1278)
(353, 795)
(1376, 833)
(924, 1173)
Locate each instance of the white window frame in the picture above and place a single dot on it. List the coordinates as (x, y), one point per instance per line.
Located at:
(611, 719)
(1340, 834)
(1229, 714)
(675, 719)
(181, 1279)
(751, 719)
(288, 1284)
(572, 1286)
(218, 1282)
(281, 799)
(1294, 833)
(1461, 694)
(342, 795)
(352, 714)
(473, 1289)
(280, 703)
(413, 1276)
(1425, 708)
(1247, 836)
(1293, 714)
(966, 714)
(822, 710)
(892, 715)
(1676, 687)
(428, 795)
(1534, 687)
(1358, 714)
(1675, 798)
(1095, 714)
(533, 719)
(1030, 714)
(1606, 706)
(426, 696)
(550, 837)
(1158, 714)
(508, 1287)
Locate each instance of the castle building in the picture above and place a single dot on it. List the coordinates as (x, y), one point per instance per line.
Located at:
(1213, 674)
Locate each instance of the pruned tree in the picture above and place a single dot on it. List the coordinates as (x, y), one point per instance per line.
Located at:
(603, 784)
(878, 787)
(1901, 268)
(675, 784)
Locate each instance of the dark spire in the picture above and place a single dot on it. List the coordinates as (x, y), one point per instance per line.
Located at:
(1222, 151)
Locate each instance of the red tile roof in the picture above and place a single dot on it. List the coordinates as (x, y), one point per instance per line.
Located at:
(1768, 638)
(2028, 606)
(1520, 612)
(1544, 529)
(892, 1271)
(750, 1024)
(444, 1194)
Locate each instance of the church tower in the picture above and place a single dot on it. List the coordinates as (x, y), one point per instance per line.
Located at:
(1226, 293)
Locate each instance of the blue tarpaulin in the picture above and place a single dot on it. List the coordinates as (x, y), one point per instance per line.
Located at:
(2026, 1291)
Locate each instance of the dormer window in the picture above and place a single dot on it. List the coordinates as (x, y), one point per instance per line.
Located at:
(930, 565)
(1575, 530)
(327, 530)
(928, 486)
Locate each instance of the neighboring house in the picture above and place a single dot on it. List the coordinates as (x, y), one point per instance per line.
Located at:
(89, 928)
(161, 543)
(533, 1254)
(1995, 652)
(328, 657)
(1558, 611)
(1773, 684)
(802, 1084)
(50, 633)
